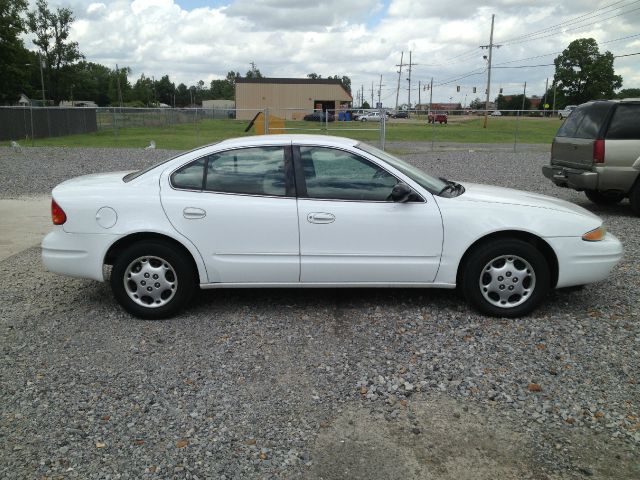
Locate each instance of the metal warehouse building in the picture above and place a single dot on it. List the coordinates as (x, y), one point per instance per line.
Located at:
(289, 98)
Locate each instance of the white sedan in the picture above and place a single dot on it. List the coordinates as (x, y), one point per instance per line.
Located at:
(317, 211)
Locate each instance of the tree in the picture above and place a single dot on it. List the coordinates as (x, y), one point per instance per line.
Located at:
(254, 72)
(629, 93)
(365, 105)
(143, 91)
(313, 76)
(512, 102)
(119, 86)
(13, 56)
(90, 82)
(52, 33)
(477, 104)
(165, 90)
(583, 73)
(344, 80)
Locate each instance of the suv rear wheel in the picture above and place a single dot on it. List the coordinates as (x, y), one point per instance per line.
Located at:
(604, 198)
(634, 198)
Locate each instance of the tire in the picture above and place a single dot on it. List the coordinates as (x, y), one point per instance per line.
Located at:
(160, 268)
(634, 198)
(505, 278)
(604, 198)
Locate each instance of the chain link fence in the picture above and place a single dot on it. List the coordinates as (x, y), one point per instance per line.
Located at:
(202, 126)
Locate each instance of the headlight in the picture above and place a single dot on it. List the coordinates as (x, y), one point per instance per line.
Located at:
(595, 235)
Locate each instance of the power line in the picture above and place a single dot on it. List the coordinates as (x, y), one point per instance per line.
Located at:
(572, 29)
(577, 19)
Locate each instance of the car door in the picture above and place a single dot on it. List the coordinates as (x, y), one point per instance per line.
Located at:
(238, 207)
(351, 232)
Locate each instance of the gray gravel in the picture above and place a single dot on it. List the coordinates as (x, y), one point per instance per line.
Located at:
(317, 383)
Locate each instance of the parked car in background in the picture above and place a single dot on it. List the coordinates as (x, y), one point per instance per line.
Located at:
(319, 117)
(400, 114)
(597, 150)
(434, 117)
(564, 113)
(370, 117)
(316, 211)
(496, 113)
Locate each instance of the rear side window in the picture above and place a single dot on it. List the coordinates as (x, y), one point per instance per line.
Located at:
(189, 177)
(586, 121)
(625, 124)
(253, 171)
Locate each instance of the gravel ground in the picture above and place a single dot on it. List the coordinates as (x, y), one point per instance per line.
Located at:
(317, 383)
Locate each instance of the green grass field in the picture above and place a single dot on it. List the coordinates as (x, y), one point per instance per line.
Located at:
(187, 136)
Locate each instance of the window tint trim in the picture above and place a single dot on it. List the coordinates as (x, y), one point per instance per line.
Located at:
(301, 183)
(290, 184)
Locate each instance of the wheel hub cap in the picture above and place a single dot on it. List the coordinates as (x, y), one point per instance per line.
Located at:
(507, 281)
(150, 281)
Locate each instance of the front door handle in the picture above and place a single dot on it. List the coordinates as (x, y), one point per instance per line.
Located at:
(193, 213)
(321, 217)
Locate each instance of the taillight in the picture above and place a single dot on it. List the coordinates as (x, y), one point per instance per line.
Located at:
(57, 214)
(598, 151)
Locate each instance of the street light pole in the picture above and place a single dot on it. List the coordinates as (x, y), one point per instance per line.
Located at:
(490, 47)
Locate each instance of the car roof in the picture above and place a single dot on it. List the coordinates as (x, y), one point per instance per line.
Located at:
(287, 138)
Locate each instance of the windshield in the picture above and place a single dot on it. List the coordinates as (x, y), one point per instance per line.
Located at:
(432, 184)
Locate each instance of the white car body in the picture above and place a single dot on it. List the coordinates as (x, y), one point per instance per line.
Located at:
(240, 240)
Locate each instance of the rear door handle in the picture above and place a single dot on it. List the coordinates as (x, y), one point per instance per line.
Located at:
(193, 213)
(321, 217)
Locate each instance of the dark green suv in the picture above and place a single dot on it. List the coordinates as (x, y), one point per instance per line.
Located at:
(597, 150)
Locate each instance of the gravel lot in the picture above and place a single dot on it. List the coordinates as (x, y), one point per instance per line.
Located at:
(324, 384)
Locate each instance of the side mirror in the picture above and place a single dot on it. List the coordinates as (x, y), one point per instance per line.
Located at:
(401, 193)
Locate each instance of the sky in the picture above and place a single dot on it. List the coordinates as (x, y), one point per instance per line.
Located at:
(193, 40)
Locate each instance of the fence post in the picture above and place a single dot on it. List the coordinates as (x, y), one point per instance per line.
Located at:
(31, 112)
(266, 121)
(515, 140)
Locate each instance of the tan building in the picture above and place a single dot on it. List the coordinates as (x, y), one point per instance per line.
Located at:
(289, 98)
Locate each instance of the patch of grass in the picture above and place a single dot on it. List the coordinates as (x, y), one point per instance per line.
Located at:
(190, 135)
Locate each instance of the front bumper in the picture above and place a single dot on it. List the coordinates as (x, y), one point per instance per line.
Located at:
(75, 254)
(571, 177)
(581, 262)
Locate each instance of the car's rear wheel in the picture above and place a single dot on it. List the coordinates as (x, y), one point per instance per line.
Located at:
(604, 198)
(152, 280)
(505, 278)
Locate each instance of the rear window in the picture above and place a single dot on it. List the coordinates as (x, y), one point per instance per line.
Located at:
(586, 121)
(625, 124)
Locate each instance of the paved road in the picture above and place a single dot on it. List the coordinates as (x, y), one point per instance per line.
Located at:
(23, 223)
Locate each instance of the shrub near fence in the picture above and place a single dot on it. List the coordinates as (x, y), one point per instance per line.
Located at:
(20, 123)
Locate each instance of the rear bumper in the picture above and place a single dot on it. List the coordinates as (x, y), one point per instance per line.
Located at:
(581, 262)
(76, 255)
(571, 177)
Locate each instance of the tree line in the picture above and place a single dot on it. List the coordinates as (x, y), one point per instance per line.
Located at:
(57, 70)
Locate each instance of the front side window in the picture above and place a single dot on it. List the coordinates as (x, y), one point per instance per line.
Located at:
(625, 124)
(335, 174)
(253, 171)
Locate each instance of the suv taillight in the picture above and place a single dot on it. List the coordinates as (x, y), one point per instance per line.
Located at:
(598, 151)
(57, 214)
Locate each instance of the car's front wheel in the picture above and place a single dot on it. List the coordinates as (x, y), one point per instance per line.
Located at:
(505, 278)
(153, 280)
(604, 198)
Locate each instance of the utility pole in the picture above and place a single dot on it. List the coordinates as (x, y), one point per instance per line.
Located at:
(544, 97)
(430, 94)
(554, 97)
(490, 47)
(524, 95)
(372, 103)
(120, 91)
(409, 79)
(380, 91)
(42, 80)
(362, 94)
(419, 88)
(399, 77)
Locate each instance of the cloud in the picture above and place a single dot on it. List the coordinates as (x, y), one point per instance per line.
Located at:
(360, 38)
